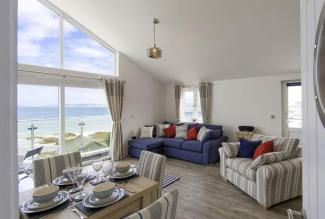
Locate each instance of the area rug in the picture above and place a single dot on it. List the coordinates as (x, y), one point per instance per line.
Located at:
(169, 179)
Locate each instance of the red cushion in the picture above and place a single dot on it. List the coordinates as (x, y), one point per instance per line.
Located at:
(192, 133)
(170, 132)
(266, 147)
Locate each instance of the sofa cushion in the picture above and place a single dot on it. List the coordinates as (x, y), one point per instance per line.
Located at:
(146, 143)
(212, 135)
(170, 132)
(192, 133)
(247, 148)
(146, 132)
(192, 145)
(181, 131)
(203, 133)
(173, 142)
(264, 148)
(268, 158)
(242, 166)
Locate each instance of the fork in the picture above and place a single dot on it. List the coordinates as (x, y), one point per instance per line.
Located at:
(78, 213)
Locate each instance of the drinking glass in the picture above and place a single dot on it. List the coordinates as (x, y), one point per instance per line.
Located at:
(107, 169)
(97, 166)
(73, 173)
(80, 182)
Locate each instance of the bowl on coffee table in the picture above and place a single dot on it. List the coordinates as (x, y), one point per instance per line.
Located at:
(45, 194)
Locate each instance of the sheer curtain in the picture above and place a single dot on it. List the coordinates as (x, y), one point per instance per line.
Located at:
(114, 90)
(178, 94)
(205, 89)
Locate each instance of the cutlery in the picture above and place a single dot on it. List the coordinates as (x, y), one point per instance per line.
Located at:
(78, 213)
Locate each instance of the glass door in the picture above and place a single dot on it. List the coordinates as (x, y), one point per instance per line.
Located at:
(292, 104)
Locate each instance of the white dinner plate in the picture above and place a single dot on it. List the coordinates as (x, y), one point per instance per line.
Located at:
(120, 193)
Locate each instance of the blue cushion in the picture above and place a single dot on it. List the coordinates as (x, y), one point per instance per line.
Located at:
(213, 134)
(192, 145)
(193, 125)
(173, 142)
(247, 148)
(146, 143)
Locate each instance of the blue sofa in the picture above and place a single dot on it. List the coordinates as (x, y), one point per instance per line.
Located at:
(190, 150)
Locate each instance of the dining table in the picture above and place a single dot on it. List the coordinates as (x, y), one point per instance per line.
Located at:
(141, 192)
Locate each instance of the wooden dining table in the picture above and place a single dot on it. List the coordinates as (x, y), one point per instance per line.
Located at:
(141, 193)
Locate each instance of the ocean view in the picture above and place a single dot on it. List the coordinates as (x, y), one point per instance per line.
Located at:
(95, 131)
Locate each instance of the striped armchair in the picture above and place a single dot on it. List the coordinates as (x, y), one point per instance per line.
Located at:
(47, 169)
(163, 208)
(152, 166)
(271, 178)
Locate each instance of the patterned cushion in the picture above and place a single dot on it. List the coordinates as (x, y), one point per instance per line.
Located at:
(289, 145)
(152, 166)
(230, 148)
(160, 129)
(241, 166)
(202, 133)
(181, 131)
(146, 132)
(165, 207)
(47, 169)
(269, 158)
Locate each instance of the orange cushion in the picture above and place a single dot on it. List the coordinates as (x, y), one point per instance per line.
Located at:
(170, 132)
(263, 148)
(192, 134)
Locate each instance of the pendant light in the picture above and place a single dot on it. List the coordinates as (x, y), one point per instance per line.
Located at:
(154, 52)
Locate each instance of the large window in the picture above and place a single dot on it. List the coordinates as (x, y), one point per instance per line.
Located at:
(190, 105)
(39, 42)
(61, 103)
(38, 118)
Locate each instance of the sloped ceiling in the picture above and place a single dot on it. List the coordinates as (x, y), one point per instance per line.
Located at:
(200, 39)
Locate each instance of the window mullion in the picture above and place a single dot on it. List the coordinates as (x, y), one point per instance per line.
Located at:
(61, 42)
(61, 116)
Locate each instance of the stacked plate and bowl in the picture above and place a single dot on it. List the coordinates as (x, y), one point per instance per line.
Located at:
(45, 198)
(123, 170)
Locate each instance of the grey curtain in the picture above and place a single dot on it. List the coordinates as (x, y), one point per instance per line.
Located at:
(114, 93)
(206, 101)
(178, 93)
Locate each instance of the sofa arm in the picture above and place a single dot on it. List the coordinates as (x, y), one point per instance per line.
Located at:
(223, 160)
(278, 182)
(210, 150)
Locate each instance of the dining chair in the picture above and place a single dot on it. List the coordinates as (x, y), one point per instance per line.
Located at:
(49, 168)
(163, 208)
(152, 166)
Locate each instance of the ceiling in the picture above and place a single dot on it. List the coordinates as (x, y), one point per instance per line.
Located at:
(200, 39)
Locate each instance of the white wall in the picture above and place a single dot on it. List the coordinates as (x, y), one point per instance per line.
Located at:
(249, 101)
(144, 98)
(8, 140)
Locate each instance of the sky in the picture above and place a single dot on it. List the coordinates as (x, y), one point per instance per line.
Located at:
(39, 44)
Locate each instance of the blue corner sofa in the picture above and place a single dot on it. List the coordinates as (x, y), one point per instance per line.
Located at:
(190, 150)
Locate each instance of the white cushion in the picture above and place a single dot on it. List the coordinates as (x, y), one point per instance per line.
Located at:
(160, 129)
(146, 132)
(181, 131)
(202, 133)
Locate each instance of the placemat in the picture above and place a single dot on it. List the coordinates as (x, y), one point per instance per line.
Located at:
(90, 211)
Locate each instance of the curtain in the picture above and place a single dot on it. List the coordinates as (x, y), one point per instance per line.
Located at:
(205, 89)
(114, 90)
(178, 93)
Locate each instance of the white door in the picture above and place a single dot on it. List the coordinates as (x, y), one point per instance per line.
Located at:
(292, 109)
(313, 138)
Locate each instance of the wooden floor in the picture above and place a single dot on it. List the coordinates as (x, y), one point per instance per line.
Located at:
(204, 194)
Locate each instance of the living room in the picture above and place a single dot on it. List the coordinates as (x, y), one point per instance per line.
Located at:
(137, 109)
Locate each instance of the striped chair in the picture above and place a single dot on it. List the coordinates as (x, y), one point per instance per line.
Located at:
(163, 208)
(271, 178)
(152, 166)
(47, 169)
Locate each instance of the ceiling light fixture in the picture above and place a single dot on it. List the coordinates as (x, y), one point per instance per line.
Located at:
(154, 52)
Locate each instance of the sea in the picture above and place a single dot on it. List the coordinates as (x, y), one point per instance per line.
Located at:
(46, 120)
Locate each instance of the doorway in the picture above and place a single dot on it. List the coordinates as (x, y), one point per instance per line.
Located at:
(292, 109)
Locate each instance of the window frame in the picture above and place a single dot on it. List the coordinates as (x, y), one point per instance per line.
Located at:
(63, 16)
(196, 103)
